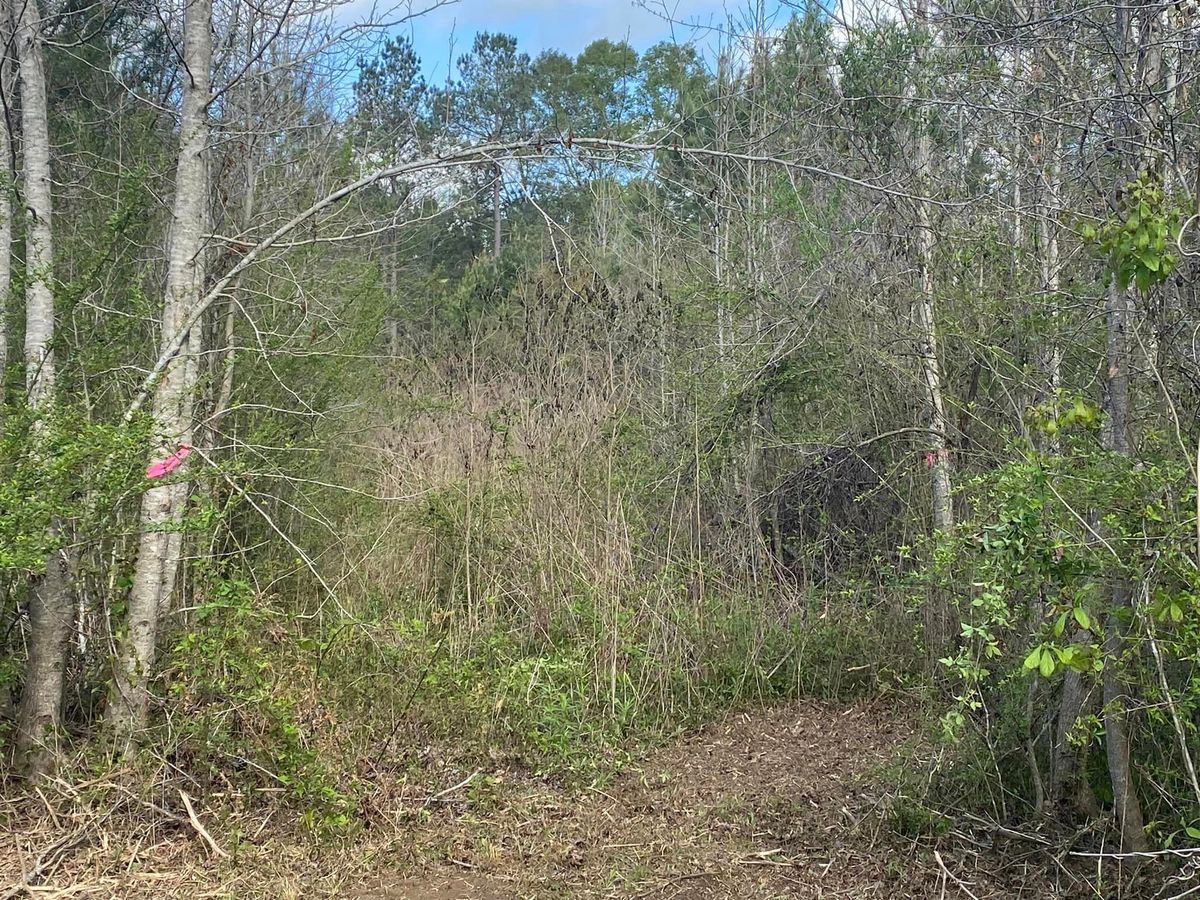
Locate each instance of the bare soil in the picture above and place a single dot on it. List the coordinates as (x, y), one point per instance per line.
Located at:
(785, 802)
(775, 803)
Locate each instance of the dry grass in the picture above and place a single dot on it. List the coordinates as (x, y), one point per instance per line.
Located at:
(776, 803)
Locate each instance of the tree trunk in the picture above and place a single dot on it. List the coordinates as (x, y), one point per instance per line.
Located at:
(1068, 786)
(39, 253)
(1115, 438)
(7, 178)
(163, 504)
(7, 181)
(940, 620)
(51, 611)
(497, 184)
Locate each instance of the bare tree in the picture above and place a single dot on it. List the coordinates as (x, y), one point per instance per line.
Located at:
(50, 607)
(7, 173)
(938, 617)
(163, 504)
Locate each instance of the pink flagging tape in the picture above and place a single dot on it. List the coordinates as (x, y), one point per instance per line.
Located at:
(170, 464)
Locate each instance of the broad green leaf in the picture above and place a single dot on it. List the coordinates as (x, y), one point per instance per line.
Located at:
(1047, 664)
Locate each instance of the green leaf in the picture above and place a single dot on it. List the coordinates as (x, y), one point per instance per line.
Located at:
(1060, 625)
(1047, 664)
(1033, 659)
(1083, 618)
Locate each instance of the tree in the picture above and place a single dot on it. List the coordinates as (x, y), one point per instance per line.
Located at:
(162, 505)
(492, 101)
(939, 621)
(391, 100)
(7, 184)
(50, 609)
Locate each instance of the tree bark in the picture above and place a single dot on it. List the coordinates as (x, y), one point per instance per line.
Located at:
(39, 253)
(51, 611)
(940, 621)
(7, 180)
(497, 184)
(163, 504)
(1115, 439)
(1067, 785)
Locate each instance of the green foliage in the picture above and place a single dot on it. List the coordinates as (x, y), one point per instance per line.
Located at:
(599, 93)
(588, 445)
(492, 99)
(912, 819)
(1038, 570)
(877, 71)
(45, 462)
(391, 99)
(240, 684)
(1139, 239)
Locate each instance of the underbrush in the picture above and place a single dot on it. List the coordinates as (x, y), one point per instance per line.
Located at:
(1075, 583)
(263, 707)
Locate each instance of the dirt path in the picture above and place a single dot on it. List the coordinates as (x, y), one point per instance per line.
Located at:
(786, 802)
(774, 804)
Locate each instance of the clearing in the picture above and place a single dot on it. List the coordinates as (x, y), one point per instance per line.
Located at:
(770, 803)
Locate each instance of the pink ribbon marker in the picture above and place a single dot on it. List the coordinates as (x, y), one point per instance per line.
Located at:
(170, 464)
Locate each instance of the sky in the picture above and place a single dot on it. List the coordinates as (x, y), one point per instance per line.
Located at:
(570, 25)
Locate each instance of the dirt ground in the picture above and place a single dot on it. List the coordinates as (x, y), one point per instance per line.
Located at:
(776, 803)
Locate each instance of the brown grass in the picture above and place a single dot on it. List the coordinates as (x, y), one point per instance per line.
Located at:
(783, 802)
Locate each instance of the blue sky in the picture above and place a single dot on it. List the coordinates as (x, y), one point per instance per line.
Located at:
(570, 25)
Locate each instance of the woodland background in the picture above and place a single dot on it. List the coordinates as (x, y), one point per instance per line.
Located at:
(554, 408)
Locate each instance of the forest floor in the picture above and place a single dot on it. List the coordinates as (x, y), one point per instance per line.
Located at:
(783, 802)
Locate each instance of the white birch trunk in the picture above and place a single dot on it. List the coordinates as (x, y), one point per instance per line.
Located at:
(7, 174)
(163, 504)
(51, 612)
(39, 254)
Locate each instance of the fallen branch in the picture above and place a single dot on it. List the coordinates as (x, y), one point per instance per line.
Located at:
(48, 856)
(962, 884)
(1003, 831)
(450, 790)
(200, 829)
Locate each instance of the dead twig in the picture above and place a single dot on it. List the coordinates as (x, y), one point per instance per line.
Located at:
(48, 857)
(200, 829)
(450, 790)
(962, 884)
(670, 882)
